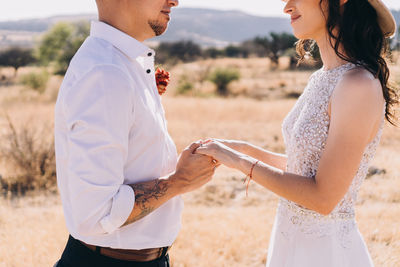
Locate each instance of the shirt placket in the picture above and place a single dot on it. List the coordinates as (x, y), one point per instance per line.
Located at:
(148, 65)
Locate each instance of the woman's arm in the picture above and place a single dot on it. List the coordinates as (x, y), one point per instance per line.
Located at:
(276, 160)
(356, 113)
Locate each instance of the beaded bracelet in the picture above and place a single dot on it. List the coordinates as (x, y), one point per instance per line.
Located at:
(249, 177)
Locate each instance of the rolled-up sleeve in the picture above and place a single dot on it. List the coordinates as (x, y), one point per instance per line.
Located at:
(98, 111)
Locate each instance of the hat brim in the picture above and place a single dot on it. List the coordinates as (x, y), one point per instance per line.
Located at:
(385, 18)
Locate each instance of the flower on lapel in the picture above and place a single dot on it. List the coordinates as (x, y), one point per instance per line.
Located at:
(162, 80)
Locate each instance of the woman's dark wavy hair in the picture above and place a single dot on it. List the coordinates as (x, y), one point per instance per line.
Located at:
(355, 27)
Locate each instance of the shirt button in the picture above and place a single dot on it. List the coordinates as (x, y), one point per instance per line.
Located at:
(150, 54)
(148, 71)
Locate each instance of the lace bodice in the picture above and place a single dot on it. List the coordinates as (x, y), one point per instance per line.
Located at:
(305, 131)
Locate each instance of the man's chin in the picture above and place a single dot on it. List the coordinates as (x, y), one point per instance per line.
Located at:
(160, 32)
(158, 28)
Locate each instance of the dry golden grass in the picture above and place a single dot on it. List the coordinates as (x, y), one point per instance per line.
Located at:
(221, 227)
(256, 78)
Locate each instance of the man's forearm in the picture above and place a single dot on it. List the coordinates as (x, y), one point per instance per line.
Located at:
(149, 196)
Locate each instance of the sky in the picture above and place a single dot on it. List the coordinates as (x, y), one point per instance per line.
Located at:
(23, 9)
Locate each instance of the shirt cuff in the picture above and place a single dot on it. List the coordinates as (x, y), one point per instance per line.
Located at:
(122, 205)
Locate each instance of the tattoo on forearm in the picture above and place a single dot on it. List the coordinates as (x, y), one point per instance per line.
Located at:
(146, 196)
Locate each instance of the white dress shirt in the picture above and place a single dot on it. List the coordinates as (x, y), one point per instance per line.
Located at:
(110, 131)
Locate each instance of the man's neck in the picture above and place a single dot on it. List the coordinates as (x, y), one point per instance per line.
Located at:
(135, 32)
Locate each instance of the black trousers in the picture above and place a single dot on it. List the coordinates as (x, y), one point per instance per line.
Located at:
(77, 255)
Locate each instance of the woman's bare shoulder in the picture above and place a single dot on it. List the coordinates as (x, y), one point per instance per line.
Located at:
(359, 84)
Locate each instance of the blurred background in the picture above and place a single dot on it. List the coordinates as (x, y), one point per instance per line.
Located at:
(234, 75)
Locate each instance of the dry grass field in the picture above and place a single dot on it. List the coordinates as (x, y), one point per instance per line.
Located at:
(221, 227)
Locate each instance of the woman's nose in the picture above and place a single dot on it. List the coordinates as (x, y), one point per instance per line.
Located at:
(173, 3)
(288, 9)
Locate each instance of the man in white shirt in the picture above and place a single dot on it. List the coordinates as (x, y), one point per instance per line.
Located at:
(117, 169)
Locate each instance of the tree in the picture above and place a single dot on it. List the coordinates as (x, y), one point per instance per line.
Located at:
(275, 45)
(61, 43)
(236, 51)
(184, 51)
(280, 43)
(213, 52)
(16, 57)
(80, 32)
(264, 43)
(222, 78)
(252, 48)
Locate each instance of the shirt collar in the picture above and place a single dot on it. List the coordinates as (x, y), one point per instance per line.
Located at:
(131, 47)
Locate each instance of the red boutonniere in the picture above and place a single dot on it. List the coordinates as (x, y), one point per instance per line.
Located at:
(162, 80)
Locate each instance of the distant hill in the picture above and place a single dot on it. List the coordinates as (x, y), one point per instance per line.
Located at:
(41, 25)
(25, 33)
(214, 27)
(206, 27)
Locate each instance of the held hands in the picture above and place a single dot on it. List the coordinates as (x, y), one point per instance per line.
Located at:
(223, 151)
(193, 169)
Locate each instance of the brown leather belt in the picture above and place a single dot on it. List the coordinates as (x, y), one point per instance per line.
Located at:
(141, 255)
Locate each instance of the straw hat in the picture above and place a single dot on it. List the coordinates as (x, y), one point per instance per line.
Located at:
(385, 18)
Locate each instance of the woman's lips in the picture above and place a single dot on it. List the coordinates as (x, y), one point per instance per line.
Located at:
(294, 18)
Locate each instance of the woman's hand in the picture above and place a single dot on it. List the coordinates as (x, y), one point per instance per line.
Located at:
(221, 153)
(240, 146)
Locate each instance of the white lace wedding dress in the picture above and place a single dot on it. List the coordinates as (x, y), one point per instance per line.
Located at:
(302, 237)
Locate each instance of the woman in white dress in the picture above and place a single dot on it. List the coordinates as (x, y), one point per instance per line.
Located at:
(331, 135)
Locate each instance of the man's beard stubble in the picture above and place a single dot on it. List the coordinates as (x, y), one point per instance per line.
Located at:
(157, 27)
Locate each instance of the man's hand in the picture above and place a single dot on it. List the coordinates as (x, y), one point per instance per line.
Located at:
(193, 170)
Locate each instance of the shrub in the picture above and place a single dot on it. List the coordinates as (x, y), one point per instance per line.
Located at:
(30, 156)
(222, 78)
(184, 86)
(36, 81)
